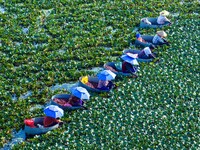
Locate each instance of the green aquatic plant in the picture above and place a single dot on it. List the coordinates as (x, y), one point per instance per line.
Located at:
(158, 110)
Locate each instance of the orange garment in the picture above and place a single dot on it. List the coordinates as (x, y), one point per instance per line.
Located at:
(49, 121)
(141, 39)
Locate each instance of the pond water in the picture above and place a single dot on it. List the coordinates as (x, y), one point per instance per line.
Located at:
(47, 12)
(66, 86)
(96, 69)
(109, 28)
(135, 30)
(2, 10)
(17, 43)
(18, 137)
(14, 97)
(25, 30)
(132, 45)
(108, 48)
(183, 2)
(61, 51)
(175, 14)
(113, 31)
(36, 45)
(26, 95)
(196, 14)
(37, 106)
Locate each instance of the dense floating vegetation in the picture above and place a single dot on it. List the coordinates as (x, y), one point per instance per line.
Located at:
(44, 43)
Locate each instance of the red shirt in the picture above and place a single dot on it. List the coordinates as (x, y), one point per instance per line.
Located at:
(49, 121)
(29, 122)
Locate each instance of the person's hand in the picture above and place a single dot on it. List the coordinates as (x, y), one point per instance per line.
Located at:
(84, 107)
(134, 75)
(40, 126)
(167, 43)
(60, 123)
(114, 86)
(152, 56)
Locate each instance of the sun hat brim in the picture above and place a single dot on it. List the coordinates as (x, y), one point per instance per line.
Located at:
(164, 13)
(162, 33)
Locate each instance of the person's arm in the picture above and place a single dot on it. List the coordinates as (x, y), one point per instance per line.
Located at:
(57, 120)
(165, 41)
(152, 55)
(161, 40)
(115, 70)
(143, 40)
(131, 69)
(166, 19)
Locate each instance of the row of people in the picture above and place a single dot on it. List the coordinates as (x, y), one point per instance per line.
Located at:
(51, 119)
(127, 67)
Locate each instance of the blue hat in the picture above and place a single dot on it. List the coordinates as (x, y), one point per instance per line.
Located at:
(138, 35)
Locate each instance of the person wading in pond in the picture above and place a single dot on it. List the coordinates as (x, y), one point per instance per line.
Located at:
(146, 53)
(129, 64)
(162, 19)
(158, 39)
(139, 38)
(105, 85)
(74, 101)
(50, 121)
(129, 68)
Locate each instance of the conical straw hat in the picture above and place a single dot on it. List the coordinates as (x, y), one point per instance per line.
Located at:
(164, 13)
(161, 33)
